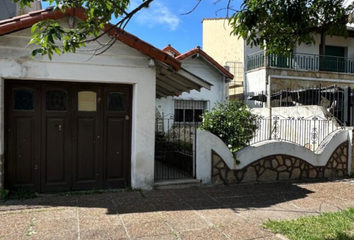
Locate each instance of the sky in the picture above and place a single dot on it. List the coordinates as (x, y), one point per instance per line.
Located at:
(166, 22)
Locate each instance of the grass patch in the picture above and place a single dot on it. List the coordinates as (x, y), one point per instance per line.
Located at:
(327, 226)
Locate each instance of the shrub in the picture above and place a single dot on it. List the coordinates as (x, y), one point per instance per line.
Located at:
(232, 122)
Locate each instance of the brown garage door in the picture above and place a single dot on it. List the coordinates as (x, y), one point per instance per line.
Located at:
(65, 136)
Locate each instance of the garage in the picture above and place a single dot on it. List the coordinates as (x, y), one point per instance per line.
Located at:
(67, 136)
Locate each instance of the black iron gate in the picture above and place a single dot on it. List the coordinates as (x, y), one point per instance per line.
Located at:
(175, 149)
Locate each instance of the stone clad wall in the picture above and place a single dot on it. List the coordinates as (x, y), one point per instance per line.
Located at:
(281, 167)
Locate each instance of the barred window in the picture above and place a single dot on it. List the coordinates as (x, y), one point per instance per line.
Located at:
(189, 111)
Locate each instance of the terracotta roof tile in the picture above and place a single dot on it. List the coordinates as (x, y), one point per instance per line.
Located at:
(27, 20)
(199, 51)
(172, 51)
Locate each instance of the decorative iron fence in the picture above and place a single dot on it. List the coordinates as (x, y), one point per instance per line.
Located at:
(335, 100)
(308, 132)
(174, 149)
(304, 61)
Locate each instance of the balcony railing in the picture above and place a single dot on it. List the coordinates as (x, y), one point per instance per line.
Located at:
(301, 61)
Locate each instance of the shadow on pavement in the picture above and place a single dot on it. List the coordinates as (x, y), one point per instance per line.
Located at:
(237, 197)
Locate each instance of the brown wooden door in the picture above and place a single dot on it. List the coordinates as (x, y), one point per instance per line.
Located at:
(86, 138)
(63, 136)
(56, 140)
(23, 141)
(117, 132)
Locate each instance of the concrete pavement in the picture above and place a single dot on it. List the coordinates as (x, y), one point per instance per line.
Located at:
(211, 212)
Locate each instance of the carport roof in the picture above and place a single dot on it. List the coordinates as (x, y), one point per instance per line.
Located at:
(171, 79)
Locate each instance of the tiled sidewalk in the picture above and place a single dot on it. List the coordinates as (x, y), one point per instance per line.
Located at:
(218, 212)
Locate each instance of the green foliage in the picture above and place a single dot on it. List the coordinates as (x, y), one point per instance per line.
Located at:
(18, 194)
(4, 194)
(55, 39)
(232, 122)
(334, 225)
(278, 25)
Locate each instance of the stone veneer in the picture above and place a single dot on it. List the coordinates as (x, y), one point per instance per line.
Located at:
(281, 167)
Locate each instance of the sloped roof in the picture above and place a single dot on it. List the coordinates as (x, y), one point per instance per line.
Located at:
(27, 20)
(199, 52)
(171, 78)
(171, 50)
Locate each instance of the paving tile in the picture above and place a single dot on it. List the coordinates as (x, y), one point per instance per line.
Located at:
(14, 224)
(258, 216)
(202, 234)
(217, 212)
(104, 222)
(139, 206)
(126, 194)
(55, 234)
(205, 203)
(168, 204)
(189, 193)
(172, 236)
(186, 221)
(94, 197)
(147, 229)
(57, 225)
(130, 218)
(246, 231)
(57, 213)
(221, 193)
(222, 217)
(103, 232)
(93, 208)
(241, 202)
(158, 194)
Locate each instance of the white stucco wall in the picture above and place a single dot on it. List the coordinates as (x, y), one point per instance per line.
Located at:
(330, 41)
(305, 111)
(120, 64)
(255, 83)
(252, 153)
(206, 142)
(208, 73)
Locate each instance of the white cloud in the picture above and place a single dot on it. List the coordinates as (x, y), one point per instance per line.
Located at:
(157, 14)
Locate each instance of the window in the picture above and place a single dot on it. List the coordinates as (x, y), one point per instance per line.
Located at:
(87, 101)
(56, 100)
(115, 102)
(24, 99)
(189, 111)
(334, 59)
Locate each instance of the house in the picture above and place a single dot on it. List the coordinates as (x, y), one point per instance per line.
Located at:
(81, 122)
(226, 49)
(179, 116)
(188, 106)
(8, 8)
(305, 68)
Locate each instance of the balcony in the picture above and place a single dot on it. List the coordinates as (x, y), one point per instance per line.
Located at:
(301, 61)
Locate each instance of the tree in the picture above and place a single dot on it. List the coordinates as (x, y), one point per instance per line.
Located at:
(232, 122)
(278, 25)
(48, 34)
(274, 25)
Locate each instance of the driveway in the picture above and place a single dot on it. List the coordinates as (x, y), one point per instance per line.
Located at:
(214, 212)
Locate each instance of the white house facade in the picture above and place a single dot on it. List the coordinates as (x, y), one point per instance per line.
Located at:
(77, 121)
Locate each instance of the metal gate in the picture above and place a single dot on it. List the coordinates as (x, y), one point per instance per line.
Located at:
(174, 149)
